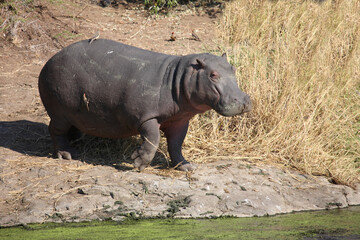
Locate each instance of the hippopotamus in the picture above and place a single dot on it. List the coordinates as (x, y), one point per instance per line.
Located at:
(108, 89)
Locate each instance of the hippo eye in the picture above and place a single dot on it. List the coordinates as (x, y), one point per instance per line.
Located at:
(214, 75)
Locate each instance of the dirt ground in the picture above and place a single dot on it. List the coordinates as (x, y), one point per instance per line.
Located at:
(35, 187)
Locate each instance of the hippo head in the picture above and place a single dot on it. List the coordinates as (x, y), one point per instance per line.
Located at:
(213, 85)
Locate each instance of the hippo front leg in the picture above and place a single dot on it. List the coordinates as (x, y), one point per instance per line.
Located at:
(175, 135)
(151, 137)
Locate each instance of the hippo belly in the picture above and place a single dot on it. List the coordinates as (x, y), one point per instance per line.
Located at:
(108, 127)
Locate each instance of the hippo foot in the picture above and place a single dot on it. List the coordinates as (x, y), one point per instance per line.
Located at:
(138, 163)
(67, 154)
(140, 160)
(187, 167)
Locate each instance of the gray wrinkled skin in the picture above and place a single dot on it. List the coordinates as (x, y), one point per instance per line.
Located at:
(112, 90)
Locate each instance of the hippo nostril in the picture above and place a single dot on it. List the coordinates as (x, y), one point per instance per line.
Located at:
(247, 104)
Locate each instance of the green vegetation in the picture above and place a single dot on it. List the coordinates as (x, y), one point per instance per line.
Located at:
(293, 226)
(175, 205)
(10, 12)
(155, 6)
(164, 6)
(66, 35)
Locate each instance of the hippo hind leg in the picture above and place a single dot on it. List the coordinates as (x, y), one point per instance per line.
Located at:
(59, 132)
(145, 153)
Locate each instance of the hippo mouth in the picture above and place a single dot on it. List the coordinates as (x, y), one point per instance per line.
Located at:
(219, 107)
(233, 106)
(230, 110)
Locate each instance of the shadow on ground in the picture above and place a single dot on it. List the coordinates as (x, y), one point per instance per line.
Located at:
(33, 139)
(25, 137)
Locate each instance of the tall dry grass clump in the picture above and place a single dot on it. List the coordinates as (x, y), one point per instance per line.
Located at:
(300, 63)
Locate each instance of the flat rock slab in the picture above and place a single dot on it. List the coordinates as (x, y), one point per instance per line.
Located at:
(66, 191)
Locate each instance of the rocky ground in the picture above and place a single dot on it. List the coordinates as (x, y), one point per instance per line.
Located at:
(75, 191)
(35, 187)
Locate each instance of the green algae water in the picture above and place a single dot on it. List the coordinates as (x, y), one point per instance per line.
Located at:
(330, 224)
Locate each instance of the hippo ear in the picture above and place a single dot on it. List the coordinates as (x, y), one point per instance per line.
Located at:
(201, 63)
(224, 55)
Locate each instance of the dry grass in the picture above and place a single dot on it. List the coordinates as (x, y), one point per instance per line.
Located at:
(300, 63)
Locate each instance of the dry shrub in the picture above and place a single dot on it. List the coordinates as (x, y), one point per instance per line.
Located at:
(300, 63)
